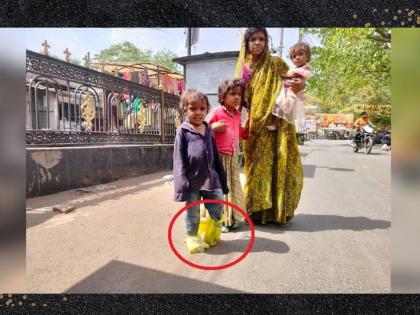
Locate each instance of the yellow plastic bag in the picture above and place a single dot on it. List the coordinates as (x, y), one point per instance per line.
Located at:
(210, 230)
(195, 244)
(205, 229)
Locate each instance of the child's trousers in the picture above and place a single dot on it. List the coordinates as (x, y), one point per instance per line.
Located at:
(192, 218)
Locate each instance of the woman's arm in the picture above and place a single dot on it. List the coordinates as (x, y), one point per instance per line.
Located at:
(282, 68)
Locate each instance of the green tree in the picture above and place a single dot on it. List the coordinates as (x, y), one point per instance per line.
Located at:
(352, 66)
(128, 52)
(124, 52)
(164, 58)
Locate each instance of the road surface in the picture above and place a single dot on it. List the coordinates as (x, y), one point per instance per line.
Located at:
(116, 239)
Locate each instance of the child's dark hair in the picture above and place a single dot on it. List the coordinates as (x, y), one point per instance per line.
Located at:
(191, 96)
(251, 31)
(227, 85)
(298, 47)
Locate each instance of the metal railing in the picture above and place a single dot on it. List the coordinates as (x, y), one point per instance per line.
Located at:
(71, 105)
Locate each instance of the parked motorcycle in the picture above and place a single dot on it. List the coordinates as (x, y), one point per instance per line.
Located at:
(383, 138)
(365, 141)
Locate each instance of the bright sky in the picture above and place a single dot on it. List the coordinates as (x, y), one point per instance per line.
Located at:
(82, 40)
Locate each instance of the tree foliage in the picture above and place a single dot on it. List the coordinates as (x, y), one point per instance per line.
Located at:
(72, 60)
(352, 66)
(75, 61)
(164, 58)
(128, 52)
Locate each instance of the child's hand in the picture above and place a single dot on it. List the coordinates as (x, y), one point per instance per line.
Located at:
(297, 85)
(245, 124)
(218, 126)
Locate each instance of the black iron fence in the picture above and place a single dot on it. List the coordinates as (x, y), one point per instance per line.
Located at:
(71, 105)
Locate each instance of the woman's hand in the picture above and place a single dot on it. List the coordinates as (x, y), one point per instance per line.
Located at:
(297, 85)
(218, 126)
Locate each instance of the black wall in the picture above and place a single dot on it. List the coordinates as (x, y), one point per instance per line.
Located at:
(50, 170)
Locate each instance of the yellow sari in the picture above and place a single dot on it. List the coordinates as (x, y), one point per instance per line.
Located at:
(273, 167)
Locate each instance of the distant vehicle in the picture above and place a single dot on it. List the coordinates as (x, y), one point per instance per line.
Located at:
(383, 138)
(365, 141)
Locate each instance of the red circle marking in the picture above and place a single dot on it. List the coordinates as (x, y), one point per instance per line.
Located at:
(195, 203)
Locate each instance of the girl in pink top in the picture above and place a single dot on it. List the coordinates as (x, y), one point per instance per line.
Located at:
(225, 121)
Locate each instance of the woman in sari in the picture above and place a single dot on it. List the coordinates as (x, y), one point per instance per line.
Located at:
(273, 168)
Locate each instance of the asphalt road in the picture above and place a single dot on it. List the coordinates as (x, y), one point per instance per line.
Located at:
(116, 239)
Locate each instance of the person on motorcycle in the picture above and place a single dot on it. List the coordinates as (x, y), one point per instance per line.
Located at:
(359, 123)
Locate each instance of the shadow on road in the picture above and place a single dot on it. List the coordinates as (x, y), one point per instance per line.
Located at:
(378, 153)
(261, 244)
(374, 152)
(34, 218)
(309, 170)
(121, 277)
(318, 222)
(341, 169)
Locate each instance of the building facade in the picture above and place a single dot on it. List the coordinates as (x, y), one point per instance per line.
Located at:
(205, 72)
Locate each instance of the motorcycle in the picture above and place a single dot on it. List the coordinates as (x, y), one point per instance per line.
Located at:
(365, 141)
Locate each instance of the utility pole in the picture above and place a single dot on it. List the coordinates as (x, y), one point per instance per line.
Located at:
(300, 35)
(189, 41)
(281, 42)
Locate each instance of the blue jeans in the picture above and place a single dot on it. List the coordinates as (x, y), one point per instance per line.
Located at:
(192, 218)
